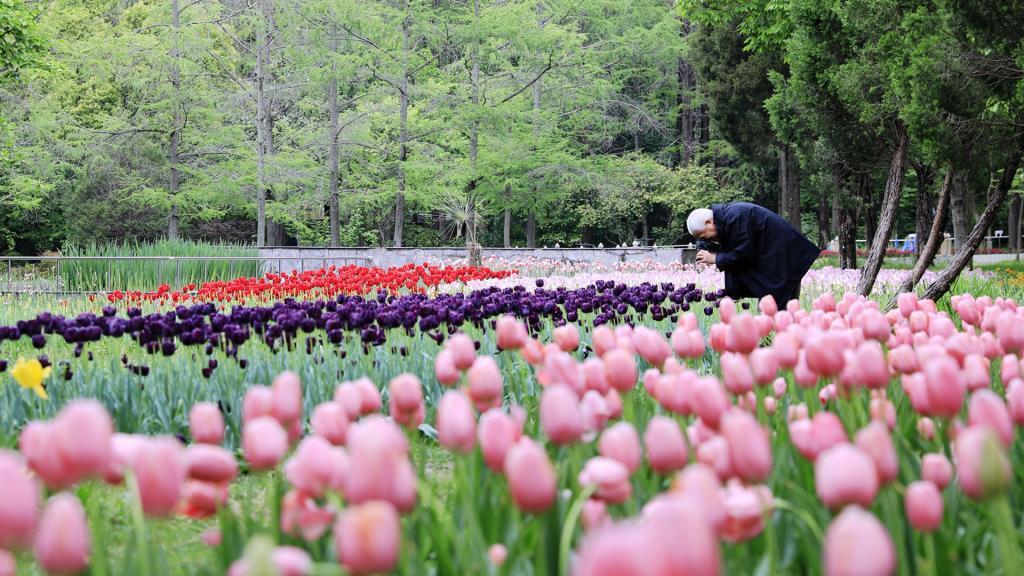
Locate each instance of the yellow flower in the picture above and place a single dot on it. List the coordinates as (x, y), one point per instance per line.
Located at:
(30, 374)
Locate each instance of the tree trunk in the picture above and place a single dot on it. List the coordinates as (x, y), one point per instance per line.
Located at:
(506, 232)
(531, 230)
(958, 209)
(846, 224)
(684, 108)
(824, 222)
(474, 150)
(931, 247)
(866, 195)
(789, 186)
(887, 214)
(403, 135)
(332, 111)
(925, 204)
(1013, 223)
(965, 254)
(646, 231)
(173, 221)
(264, 121)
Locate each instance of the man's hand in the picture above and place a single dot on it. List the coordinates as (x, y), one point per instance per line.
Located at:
(705, 257)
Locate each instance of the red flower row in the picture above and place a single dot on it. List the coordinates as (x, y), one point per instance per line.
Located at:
(319, 283)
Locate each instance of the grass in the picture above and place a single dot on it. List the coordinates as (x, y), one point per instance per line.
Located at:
(108, 275)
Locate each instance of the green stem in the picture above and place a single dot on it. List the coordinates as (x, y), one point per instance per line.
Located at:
(803, 515)
(1009, 546)
(139, 524)
(931, 562)
(570, 527)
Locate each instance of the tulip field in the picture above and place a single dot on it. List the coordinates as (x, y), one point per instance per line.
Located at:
(518, 418)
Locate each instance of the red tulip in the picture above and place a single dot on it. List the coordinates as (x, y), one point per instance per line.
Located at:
(206, 423)
(923, 503)
(531, 477)
(62, 540)
(857, 544)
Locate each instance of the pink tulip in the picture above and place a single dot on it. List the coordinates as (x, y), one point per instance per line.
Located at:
(765, 365)
(62, 540)
(593, 411)
(18, 504)
(616, 550)
(976, 372)
(680, 539)
(160, 472)
(1015, 401)
(802, 374)
(872, 368)
(302, 517)
(743, 334)
(736, 373)
(497, 432)
(987, 409)
(907, 302)
(347, 396)
(202, 499)
(311, 468)
(825, 353)
(560, 415)
(714, 453)
(845, 474)
(614, 403)
(727, 309)
(709, 400)
(594, 377)
(857, 544)
(369, 396)
(718, 336)
(406, 393)
(594, 515)
(981, 464)
(258, 401)
(651, 345)
(38, 444)
(456, 425)
(533, 352)
(287, 397)
(287, 561)
(926, 428)
(620, 370)
(621, 443)
(750, 450)
(82, 434)
(463, 350)
(212, 537)
(936, 468)
(665, 445)
(923, 503)
(768, 306)
(367, 538)
(511, 333)
(610, 477)
(497, 554)
(485, 382)
(8, 565)
(945, 385)
(124, 448)
(378, 455)
(603, 340)
(701, 488)
(1009, 368)
(745, 509)
(560, 368)
(264, 442)
(210, 463)
(206, 423)
(444, 368)
(904, 360)
(330, 422)
(567, 337)
(875, 441)
(531, 477)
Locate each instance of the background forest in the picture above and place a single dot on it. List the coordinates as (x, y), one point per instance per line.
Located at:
(511, 122)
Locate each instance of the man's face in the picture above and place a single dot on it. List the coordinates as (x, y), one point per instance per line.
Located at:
(709, 232)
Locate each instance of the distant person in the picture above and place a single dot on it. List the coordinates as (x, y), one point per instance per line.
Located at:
(758, 250)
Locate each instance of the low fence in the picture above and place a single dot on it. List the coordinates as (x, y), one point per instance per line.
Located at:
(290, 258)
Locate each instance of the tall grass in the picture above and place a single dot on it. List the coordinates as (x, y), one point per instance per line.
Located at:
(140, 274)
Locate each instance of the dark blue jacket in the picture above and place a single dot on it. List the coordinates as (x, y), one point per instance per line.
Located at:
(760, 252)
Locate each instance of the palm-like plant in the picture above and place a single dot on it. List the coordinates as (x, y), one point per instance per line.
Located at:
(464, 211)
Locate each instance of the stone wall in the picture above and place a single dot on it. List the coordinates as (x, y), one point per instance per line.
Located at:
(292, 258)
